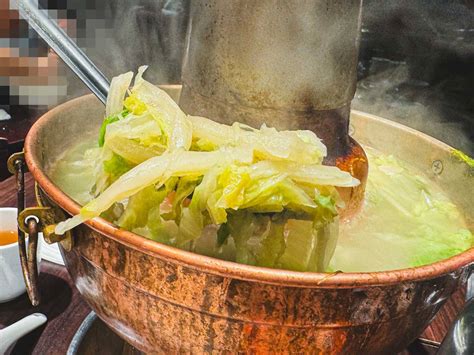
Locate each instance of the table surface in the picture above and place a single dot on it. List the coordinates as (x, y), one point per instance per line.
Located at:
(65, 309)
(60, 300)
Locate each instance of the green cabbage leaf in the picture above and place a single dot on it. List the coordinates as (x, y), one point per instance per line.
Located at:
(172, 176)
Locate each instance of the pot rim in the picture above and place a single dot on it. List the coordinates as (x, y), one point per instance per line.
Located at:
(229, 268)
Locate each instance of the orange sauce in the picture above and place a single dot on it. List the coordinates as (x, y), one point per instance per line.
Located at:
(8, 237)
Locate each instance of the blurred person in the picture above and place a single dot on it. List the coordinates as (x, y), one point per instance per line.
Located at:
(118, 35)
(31, 80)
(30, 74)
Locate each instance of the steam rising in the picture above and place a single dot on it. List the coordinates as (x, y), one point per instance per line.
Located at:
(390, 92)
(417, 66)
(416, 56)
(121, 35)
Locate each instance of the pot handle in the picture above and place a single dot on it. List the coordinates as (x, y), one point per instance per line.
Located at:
(28, 258)
(470, 284)
(32, 221)
(460, 338)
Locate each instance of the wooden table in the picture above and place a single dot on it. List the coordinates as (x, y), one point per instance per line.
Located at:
(65, 309)
(60, 300)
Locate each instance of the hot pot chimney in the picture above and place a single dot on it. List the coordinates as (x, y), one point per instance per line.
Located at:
(289, 64)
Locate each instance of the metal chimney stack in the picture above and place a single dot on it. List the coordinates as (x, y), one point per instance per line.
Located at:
(289, 64)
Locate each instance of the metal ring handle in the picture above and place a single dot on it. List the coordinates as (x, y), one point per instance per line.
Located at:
(32, 221)
(28, 255)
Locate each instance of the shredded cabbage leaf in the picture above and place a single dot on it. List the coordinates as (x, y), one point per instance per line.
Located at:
(419, 225)
(172, 177)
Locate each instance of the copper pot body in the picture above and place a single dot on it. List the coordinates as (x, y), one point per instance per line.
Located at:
(165, 300)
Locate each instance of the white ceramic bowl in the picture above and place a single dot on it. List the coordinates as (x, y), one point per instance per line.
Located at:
(11, 277)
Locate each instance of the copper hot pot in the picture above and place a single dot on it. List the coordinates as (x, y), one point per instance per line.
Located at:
(162, 299)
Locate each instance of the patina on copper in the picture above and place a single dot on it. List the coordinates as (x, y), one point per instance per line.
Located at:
(162, 299)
